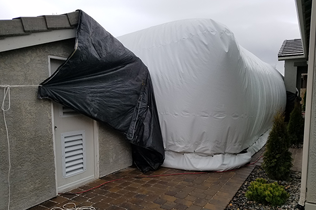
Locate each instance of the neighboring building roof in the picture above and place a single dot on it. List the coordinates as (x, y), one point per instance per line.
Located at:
(291, 49)
(29, 31)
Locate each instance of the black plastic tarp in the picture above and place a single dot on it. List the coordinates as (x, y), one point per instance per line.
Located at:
(107, 82)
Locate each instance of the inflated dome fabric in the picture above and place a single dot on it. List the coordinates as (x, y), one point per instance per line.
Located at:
(215, 100)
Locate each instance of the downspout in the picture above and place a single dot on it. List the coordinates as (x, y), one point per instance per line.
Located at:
(308, 110)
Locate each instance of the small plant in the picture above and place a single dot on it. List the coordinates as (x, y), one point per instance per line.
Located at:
(296, 125)
(277, 160)
(262, 192)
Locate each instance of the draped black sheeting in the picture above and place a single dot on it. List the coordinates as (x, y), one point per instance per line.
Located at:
(107, 82)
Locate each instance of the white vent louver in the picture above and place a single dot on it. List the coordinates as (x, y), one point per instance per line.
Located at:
(73, 153)
(67, 112)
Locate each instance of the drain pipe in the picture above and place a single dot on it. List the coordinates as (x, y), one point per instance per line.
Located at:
(309, 93)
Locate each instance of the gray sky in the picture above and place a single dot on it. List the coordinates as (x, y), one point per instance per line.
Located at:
(260, 26)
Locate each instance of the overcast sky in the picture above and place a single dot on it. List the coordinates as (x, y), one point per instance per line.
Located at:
(260, 26)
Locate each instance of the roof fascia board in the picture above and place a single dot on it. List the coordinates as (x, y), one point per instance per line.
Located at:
(16, 42)
(300, 15)
(291, 57)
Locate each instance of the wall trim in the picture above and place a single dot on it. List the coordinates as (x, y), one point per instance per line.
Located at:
(53, 120)
(96, 149)
(75, 184)
(291, 57)
(16, 42)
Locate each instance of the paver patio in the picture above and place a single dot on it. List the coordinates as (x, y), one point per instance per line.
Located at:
(162, 189)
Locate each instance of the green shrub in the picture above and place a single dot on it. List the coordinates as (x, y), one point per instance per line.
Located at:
(296, 125)
(277, 160)
(264, 193)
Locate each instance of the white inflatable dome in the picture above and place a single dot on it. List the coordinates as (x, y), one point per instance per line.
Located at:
(215, 99)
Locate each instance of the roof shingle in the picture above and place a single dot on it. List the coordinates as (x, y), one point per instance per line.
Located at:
(26, 25)
(290, 48)
(11, 27)
(34, 24)
(57, 21)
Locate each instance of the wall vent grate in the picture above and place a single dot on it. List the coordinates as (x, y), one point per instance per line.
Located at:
(73, 153)
(68, 112)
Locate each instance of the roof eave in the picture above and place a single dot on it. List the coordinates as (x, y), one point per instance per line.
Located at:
(291, 57)
(302, 24)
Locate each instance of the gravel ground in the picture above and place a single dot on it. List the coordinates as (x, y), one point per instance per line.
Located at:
(292, 186)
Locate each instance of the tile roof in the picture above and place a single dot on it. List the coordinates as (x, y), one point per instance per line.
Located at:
(291, 48)
(27, 25)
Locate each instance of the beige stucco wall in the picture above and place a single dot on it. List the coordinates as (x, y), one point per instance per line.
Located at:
(32, 177)
(290, 75)
(114, 151)
(311, 173)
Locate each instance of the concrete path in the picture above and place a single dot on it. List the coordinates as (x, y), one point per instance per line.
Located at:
(162, 189)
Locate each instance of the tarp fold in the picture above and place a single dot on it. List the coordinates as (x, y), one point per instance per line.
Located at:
(105, 81)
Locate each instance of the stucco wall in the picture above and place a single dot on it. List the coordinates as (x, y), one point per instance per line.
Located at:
(290, 75)
(311, 174)
(32, 177)
(115, 151)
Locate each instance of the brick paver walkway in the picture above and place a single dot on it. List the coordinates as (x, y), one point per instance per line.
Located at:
(183, 192)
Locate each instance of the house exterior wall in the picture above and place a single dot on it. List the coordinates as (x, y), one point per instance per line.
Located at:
(290, 75)
(29, 121)
(310, 206)
(114, 151)
(308, 178)
(311, 173)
